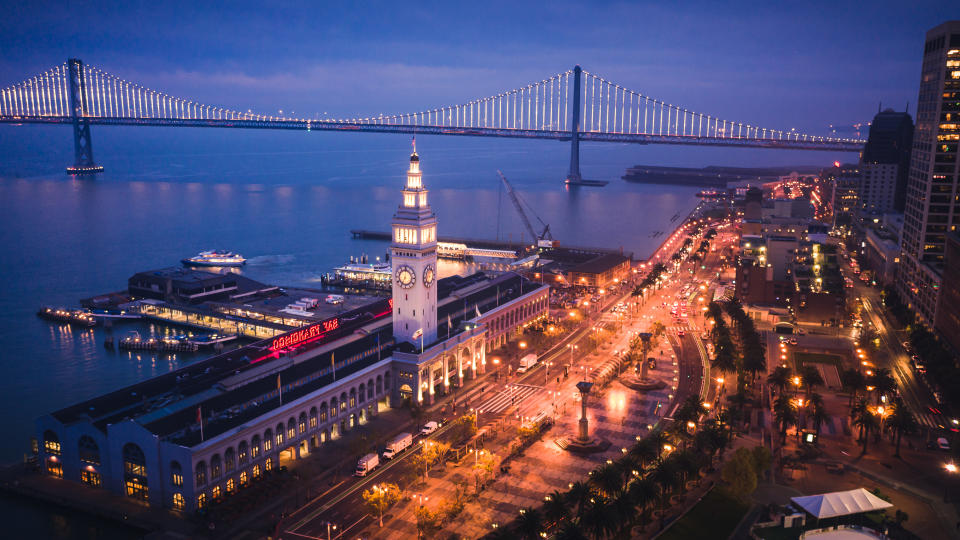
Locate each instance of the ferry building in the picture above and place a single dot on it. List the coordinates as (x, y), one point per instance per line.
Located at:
(198, 434)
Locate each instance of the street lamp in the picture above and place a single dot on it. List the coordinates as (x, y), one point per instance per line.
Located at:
(496, 362)
(329, 527)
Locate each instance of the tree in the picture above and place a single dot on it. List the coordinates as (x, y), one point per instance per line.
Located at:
(381, 497)
(900, 422)
(854, 381)
(416, 413)
(740, 474)
(867, 422)
(555, 507)
(818, 411)
(530, 523)
(882, 382)
(780, 378)
(440, 452)
(427, 522)
(579, 495)
(483, 467)
(785, 414)
(810, 376)
(762, 459)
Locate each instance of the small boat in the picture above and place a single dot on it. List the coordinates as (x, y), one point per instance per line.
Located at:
(215, 258)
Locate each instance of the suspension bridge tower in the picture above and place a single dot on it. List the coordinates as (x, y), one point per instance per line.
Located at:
(573, 177)
(82, 147)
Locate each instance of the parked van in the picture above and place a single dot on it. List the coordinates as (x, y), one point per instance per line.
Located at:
(366, 464)
(398, 444)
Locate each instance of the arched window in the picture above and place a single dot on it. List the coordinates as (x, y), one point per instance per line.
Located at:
(135, 472)
(242, 453)
(343, 401)
(255, 447)
(216, 493)
(323, 412)
(279, 434)
(379, 384)
(291, 429)
(216, 467)
(268, 464)
(256, 470)
(231, 485)
(370, 393)
(229, 460)
(386, 381)
(302, 424)
(201, 501)
(176, 473)
(267, 441)
(201, 473)
(243, 478)
(88, 450)
(313, 418)
(333, 406)
(178, 502)
(362, 393)
(51, 443)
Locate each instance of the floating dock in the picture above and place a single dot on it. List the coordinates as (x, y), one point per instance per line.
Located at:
(70, 316)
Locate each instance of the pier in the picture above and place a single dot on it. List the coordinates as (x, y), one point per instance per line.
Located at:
(519, 247)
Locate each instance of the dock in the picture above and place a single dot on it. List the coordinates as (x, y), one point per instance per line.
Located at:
(519, 247)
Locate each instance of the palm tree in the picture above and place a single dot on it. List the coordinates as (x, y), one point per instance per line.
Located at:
(785, 414)
(780, 378)
(607, 479)
(555, 507)
(598, 520)
(530, 523)
(665, 476)
(643, 492)
(818, 412)
(883, 382)
(578, 496)
(571, 530)
(866, 421)
(900, 422)
(644, 451)
(854, 381)
(811, 377)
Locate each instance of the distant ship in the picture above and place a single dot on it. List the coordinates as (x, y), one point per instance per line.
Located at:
(216, 258)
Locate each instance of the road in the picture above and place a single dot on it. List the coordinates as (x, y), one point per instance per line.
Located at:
(517, 397)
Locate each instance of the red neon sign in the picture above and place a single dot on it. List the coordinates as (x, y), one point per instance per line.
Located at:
(314, 331)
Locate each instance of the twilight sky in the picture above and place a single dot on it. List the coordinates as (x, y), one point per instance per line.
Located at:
(804, 65)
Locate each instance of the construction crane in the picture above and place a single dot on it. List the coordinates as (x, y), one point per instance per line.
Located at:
(544, 239)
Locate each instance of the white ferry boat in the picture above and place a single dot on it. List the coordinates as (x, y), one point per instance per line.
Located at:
(216, 258)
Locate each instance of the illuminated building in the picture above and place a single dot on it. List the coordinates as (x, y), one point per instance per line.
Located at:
(932, 209)
(186, 438)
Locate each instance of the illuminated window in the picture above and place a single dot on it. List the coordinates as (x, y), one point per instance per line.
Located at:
(176, 474)
(178, 502)
(256, 471)
(216, 466)
(302, 424)
(243, 478)
(291, 429)
(409, 200)
(54, 467)
(255, 447)
(267, 441)
(268, 464)
(216, 493)
(231, 485)
(242, 453)
(51, 443)
(136, 489)
(134, 463)
(90, 478)
(201, 501)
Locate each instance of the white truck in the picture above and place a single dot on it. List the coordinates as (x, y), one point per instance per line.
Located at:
(527, 362)
(398, 444)
(366, 464)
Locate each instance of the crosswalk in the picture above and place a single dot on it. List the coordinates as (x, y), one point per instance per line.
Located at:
(513, 394)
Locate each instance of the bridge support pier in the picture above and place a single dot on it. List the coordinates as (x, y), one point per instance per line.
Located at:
(573, 177)
(82, 146)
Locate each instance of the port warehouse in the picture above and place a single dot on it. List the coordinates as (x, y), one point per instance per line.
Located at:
(145, 441)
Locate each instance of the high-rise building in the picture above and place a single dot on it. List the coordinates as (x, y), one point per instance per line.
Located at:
(414, 255)
(932, 210)
(885, 163)
(947, 320)
(846, 186)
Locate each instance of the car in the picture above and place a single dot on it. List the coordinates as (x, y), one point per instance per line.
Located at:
(942, 444)
(681, 333)
(429, 428)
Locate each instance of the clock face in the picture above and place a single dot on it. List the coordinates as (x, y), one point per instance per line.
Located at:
(405, 276)
(429, 273)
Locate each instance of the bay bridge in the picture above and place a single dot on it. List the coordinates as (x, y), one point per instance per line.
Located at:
(573, 106)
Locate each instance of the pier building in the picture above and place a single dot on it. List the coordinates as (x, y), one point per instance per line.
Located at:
(200, 433)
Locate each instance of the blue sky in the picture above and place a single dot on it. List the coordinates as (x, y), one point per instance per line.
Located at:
(800, 65)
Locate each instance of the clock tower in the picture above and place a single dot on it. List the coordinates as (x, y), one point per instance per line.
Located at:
(414, 255)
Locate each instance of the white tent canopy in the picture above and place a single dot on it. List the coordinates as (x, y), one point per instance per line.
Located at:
(841, 503)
